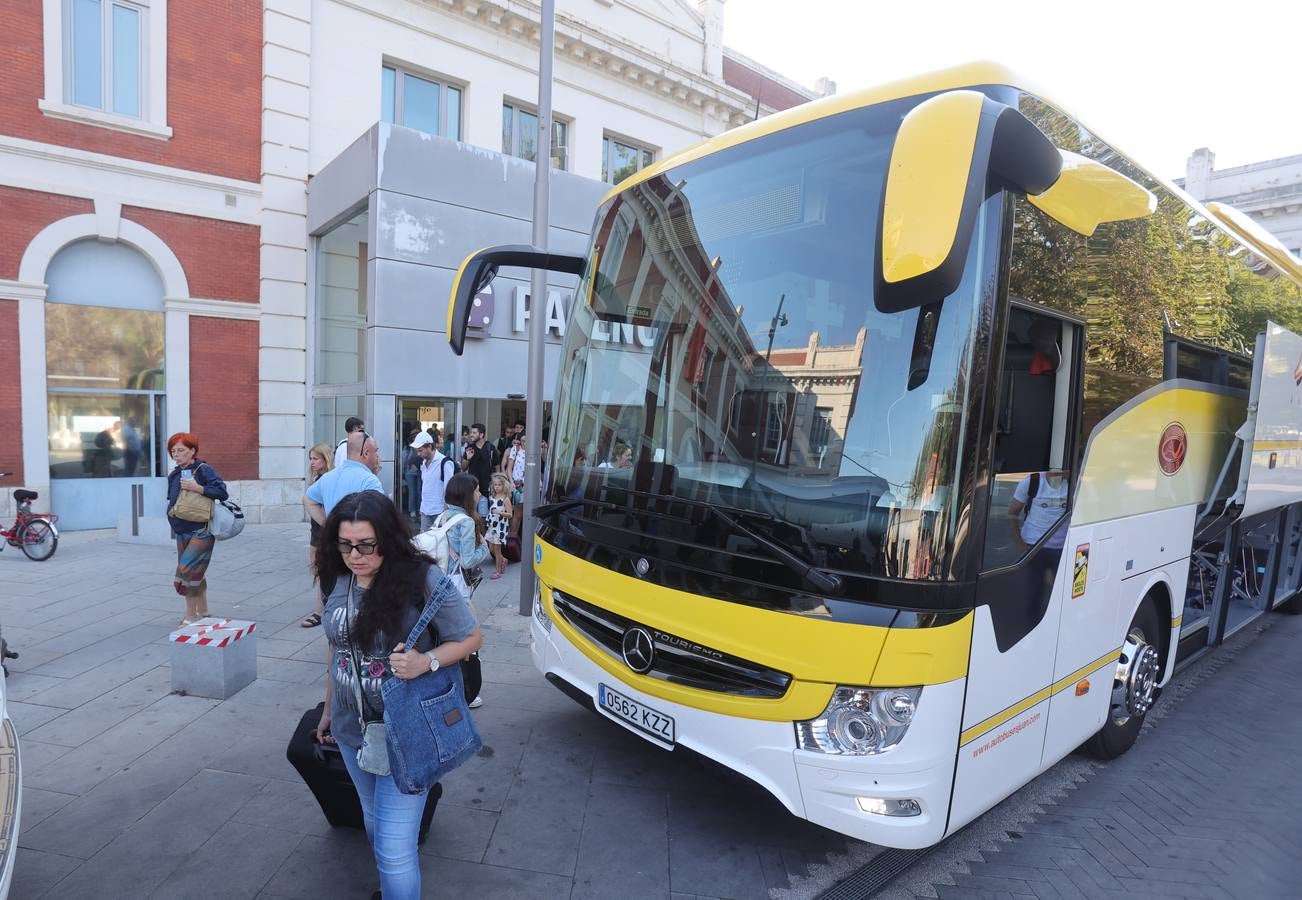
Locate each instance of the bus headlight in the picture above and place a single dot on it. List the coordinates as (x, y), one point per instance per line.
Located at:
(860, 721)
(540, 611)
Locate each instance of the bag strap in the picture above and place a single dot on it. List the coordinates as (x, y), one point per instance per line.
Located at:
(432, 605)
(1034, 489)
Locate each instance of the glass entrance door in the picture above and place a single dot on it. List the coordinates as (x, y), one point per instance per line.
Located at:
(421, 414)
(104, 370)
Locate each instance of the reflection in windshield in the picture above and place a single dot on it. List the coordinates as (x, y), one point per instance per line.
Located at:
(725, 349)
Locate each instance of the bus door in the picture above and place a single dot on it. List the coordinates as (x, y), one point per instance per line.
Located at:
(1023, 580)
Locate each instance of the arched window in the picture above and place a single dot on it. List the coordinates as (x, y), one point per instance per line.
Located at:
(104, 362)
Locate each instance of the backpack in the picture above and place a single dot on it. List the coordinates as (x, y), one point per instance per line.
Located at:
(435, 541)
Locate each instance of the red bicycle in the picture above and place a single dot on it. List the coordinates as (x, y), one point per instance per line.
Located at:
(36, 533)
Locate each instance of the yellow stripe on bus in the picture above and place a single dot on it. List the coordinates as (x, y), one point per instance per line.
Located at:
(1039, 696)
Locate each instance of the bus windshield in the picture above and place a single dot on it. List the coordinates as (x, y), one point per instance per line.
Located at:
(725, 350)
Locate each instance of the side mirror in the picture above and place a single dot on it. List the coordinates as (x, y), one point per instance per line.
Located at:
(1088, 193)
(940, 172)
(479, 269)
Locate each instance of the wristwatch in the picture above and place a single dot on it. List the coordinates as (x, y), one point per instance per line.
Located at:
(433, 661)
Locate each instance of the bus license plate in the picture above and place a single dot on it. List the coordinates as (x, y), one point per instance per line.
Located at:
(636, 714)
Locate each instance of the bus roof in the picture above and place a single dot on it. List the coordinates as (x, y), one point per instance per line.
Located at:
(966, 75)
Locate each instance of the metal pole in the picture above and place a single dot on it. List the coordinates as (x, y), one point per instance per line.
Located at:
(537, 304)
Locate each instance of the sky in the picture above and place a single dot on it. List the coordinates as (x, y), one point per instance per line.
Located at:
(1155, 78)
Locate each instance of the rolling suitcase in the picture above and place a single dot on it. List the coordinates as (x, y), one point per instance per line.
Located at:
(322, 769)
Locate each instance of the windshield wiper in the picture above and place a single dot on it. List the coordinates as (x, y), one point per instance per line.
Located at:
(823, 581)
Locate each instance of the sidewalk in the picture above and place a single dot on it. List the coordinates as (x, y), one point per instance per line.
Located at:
(1207, 804)
(131, 791)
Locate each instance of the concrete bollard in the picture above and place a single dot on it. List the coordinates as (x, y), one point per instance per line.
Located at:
(214, 657)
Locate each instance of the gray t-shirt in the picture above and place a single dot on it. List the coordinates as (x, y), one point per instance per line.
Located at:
(453, 620)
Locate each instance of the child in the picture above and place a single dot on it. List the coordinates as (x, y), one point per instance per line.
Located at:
(499, 521)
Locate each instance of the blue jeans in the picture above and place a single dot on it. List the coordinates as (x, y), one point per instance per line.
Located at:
(392, 826)
(412, 480)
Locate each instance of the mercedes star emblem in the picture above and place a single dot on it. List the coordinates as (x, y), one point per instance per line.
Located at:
(641, 567)
(639, 649)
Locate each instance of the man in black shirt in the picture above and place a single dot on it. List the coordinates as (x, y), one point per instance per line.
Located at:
(481, 461)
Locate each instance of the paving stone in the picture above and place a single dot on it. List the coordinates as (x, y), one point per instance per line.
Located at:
(87, 824)
(144, 856)
(39, 805)
(288, 806)
(98, 759)
(28, 685)
(624, 845)
(334, 865)
(73, 692)
(454, 878)
(36, 871)
(233, 864)
(92, 719)
(37, 755)
(541, 819)
(460, 833)
(30, 716)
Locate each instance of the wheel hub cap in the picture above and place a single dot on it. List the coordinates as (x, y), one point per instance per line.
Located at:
(1138, 670)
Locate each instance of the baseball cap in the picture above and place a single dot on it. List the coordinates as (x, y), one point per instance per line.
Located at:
(422, 439)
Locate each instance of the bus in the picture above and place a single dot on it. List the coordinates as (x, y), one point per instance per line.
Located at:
(903, 442)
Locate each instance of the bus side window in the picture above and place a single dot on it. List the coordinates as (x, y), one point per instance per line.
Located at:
(1030, 490)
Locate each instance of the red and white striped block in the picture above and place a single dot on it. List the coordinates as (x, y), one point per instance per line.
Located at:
(213, 632)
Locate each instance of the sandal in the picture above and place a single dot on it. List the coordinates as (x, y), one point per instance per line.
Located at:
(311, 621)
(495, 576)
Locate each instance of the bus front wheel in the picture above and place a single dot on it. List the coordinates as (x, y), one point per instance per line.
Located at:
(1134, 686)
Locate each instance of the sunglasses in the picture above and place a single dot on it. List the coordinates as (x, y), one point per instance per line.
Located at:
(365, 548)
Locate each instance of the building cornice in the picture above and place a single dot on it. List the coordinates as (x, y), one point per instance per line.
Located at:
(33, 165)
(218, 309)
(20, 290)
(581, 44)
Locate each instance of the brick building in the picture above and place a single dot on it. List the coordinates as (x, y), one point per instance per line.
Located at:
(130, 205)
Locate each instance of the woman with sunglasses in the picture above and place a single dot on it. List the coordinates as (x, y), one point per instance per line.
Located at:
(378, 585)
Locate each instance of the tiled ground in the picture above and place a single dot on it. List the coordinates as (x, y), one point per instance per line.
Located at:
(131, 791)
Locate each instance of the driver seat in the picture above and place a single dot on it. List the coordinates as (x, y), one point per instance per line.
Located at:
(22, 496)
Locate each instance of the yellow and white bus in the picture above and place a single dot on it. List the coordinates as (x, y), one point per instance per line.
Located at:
(888, 434)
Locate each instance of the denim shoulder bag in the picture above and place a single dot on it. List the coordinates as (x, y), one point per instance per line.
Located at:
(427, 720)
(374, 755)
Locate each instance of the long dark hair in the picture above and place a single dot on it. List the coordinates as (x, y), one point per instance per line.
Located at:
(400, 582)
(461, 492)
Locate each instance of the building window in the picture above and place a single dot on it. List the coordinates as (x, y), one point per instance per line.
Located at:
(775, 422)
(106, 64)
(419, 102)
(341, 303)
(820, 432)
(520, 136)
(105, 61)
(620, 159)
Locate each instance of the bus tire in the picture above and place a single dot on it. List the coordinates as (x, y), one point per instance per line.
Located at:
(1134, 686)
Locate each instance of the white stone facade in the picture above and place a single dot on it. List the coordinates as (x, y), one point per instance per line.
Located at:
(1270, 191)
(650, 72)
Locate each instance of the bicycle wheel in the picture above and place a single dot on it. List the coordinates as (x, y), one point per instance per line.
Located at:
(39, 539)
